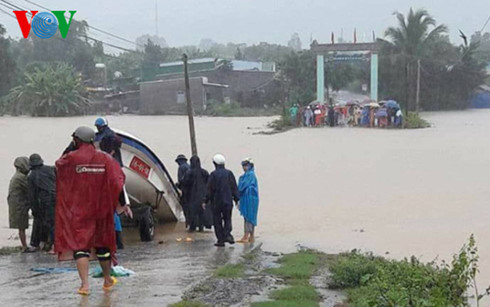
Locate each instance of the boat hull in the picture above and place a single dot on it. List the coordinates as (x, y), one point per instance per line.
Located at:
(148, 181)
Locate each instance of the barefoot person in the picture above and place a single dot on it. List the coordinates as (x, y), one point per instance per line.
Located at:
(89, 183)
(18, 201)
(249, 200)
(222, 190)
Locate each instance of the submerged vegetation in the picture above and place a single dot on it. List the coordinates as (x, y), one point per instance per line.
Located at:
(233, 109)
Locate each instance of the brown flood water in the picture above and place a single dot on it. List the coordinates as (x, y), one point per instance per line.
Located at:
(419, 192)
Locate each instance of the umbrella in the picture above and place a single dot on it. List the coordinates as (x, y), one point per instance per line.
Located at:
(374, 105)
(392, 104)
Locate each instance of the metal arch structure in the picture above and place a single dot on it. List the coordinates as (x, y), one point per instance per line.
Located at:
(321, 49)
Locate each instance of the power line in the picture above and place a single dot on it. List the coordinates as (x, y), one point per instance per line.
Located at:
(10, 6)
(486, 23)
(94, 28)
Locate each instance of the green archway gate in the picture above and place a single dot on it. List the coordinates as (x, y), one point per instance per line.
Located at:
(322, 49)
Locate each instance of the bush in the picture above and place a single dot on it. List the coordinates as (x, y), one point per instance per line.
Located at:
(414, 121)
(374, 281)
(233, 109)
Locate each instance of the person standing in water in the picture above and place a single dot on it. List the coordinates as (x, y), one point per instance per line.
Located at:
(89, 184)
(194, 182)
(42, 197)
(222, 190)
(18, 201)
(249, 200)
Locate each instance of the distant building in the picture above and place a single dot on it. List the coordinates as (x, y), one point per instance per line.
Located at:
(168, 96)
(251, 84)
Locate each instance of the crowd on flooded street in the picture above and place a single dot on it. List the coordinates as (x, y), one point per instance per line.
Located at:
(76, 204)
(384, 114)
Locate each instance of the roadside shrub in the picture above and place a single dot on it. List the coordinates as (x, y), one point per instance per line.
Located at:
(374, 281)
(414, 121)
(233, 109)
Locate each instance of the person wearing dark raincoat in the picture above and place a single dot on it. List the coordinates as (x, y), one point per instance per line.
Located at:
(89, 183)
(222, 191)
(249, 200)
(195, 183)
(108, 140)
(184, 167)
(42, 197)
(18, 200)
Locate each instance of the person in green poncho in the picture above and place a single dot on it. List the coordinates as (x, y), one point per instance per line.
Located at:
(18, 200)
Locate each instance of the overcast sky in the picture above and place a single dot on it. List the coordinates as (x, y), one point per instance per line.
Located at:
(185, 22)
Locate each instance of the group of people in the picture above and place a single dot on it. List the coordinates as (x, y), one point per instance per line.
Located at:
(371, 115)
(207, 199)
(76, 204)
(33, 187)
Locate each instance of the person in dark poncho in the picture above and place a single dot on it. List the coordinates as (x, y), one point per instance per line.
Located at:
(194, 183)
(222, 191)
(181, 161)
(42, 198)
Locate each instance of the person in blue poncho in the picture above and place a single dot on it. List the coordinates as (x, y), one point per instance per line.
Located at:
(249, 200)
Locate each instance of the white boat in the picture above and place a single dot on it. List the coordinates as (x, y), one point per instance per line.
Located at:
(148, 183)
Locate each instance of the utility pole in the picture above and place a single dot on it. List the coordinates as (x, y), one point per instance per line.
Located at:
(156, 18)
(417, 102)
(190, 111)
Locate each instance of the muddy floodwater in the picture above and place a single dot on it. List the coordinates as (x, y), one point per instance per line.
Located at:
(396, 193)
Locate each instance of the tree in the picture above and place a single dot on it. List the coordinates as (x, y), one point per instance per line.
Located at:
(295, 42)
(157, 40)
(238, 54)
(54, 90)
(7, 63)
(411, 39)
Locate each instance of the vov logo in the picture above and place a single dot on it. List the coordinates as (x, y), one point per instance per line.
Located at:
(44, 24)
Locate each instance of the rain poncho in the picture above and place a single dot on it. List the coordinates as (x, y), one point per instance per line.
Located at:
(249, 196)
(18, 199)
(110, 143)
(89, 183)
(42, 198)
(194, 183)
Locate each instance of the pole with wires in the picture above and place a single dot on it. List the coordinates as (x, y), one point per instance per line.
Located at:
(190, 111)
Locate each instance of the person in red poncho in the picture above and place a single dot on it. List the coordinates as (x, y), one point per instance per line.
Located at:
(88, 186)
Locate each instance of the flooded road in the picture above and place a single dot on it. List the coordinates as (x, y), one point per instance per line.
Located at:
(399, 193)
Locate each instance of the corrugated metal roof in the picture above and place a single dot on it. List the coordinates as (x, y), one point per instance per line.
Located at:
(193, 61)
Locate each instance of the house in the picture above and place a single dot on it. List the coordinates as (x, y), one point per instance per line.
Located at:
(251, 84)
(168, 96)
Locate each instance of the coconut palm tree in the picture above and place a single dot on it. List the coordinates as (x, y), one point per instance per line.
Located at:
(413, 36)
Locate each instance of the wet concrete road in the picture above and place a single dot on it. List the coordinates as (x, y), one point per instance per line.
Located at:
(163, 272)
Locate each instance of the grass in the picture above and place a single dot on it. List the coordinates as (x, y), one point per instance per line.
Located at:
(286, 304)
(8, 250)
(296, 293)
(296, 269)
(230, 271)
(189, 304)
(297, 266)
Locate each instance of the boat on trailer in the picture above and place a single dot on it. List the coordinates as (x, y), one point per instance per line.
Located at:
(152, 193)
